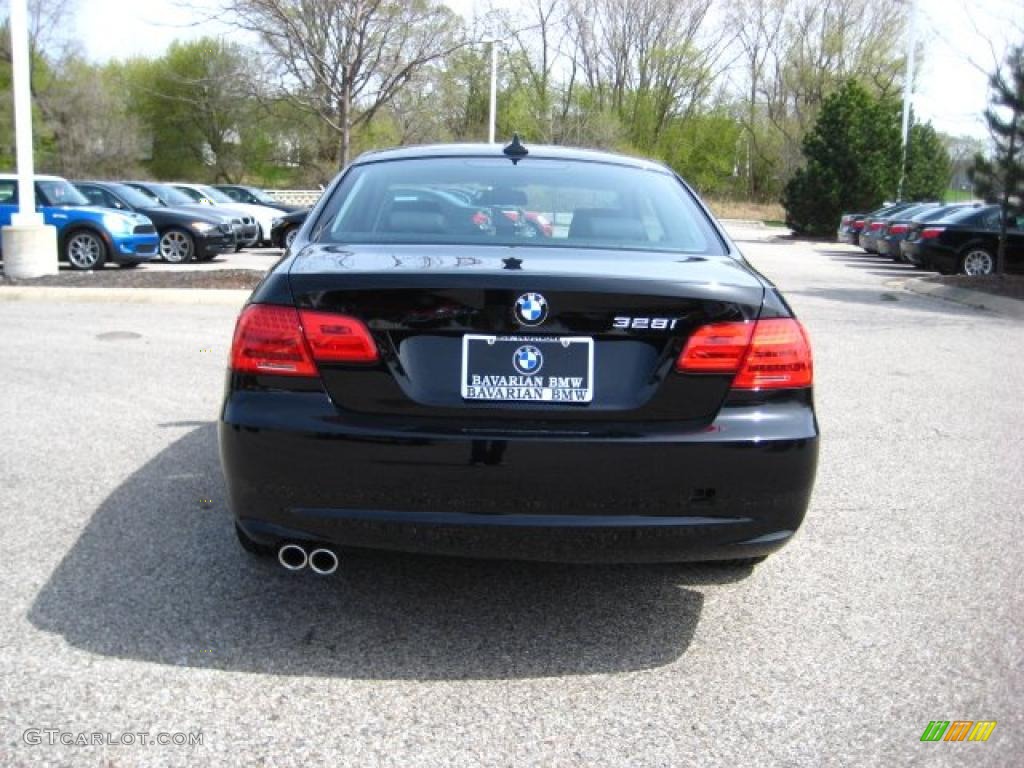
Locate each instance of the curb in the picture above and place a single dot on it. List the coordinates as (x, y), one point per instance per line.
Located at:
(1002, 305)
(206, 296)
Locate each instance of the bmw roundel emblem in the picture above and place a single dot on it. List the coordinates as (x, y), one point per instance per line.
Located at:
(531, 309)
(528, 360)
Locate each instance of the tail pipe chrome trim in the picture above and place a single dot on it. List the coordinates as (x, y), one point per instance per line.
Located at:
(323, 561)
(292, 557)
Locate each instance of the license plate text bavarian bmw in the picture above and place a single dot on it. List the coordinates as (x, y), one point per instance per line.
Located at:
(551, 369)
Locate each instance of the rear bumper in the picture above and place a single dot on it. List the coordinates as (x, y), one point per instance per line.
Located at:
(297, 469)
(937, 257)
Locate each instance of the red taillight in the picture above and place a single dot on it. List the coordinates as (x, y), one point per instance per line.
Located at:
(859, 224)
(715, 348)
(268, 339)
(897, 229)
(337, 338)
(283, 341)
(768, 354)
(875, 225)
(779, 357)
(929, 233)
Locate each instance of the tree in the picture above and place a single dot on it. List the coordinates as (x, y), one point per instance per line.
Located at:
(1001, 179)
(196, 101)
(344, 61)
(88, 128)
(852, 157)
(928, 165)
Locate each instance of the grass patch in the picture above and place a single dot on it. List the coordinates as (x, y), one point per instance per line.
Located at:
(769, 213)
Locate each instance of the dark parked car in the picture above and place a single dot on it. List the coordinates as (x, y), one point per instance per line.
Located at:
(241, 193)
(184, 234)
(286, 227)
(884, 236)
(966, 241)
(245, 228)
(628, 389)
(903, 227)
(874, 222)
(850, 226)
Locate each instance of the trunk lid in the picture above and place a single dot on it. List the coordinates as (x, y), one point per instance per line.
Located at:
(419, 302)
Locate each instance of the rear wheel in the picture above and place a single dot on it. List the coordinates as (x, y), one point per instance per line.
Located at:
(977, 261)
(85, 249)
(176, 246)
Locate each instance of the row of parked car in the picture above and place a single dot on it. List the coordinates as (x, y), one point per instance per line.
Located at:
(948, 238)
(129, 222)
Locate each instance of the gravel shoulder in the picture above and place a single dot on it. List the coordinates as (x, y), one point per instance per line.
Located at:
(140, 278)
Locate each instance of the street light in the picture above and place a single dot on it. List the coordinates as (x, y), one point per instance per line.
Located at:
(493, 113)
(908, 93)
(30, 247)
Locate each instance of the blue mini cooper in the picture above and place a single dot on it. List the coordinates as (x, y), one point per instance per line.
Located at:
(87, 237)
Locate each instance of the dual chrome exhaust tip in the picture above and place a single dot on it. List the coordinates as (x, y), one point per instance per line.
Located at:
(295, 557)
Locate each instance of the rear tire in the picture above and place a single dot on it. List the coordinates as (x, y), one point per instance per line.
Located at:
(977, 262)
(84, 249)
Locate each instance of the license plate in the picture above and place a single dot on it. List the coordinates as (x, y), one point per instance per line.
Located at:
(528, 368)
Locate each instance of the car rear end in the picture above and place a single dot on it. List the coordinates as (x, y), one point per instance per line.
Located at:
(503, 400)
(850, 227)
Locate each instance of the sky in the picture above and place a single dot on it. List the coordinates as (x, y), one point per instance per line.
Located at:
(958, 38)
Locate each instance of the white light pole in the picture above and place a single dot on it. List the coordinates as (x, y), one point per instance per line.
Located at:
(30, 248)
(908, 92)
(494, 91)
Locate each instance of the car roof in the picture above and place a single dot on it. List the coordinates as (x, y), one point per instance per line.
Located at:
(546, 151)
(966, 213)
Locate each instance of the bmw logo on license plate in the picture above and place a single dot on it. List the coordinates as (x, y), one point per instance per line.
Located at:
(531, 309)
(528, 360)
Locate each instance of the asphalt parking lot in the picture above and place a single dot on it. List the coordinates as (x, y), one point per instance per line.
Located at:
(130, 608)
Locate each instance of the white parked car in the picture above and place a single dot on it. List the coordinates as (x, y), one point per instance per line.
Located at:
(207, 195)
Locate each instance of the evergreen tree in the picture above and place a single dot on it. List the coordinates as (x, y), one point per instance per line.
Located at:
(852, 159)
(928, 165)
(1001, 179)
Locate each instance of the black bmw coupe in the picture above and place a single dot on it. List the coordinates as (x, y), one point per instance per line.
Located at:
(627, 389)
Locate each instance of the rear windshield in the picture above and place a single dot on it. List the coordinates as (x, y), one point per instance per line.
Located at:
(536, 202)
(967, 215)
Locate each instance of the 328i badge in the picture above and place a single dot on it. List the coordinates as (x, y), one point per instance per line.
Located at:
(428, 371)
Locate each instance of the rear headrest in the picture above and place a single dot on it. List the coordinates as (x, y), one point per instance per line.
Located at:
(503, 196)
(417, 216)
(606, 224)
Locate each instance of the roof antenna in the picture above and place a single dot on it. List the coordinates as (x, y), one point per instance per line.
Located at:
(515, 151)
